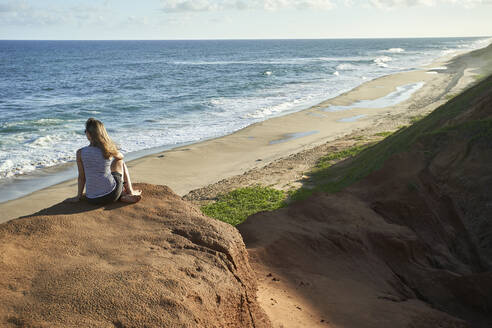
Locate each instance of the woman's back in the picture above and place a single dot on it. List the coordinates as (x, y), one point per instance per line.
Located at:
(99, 180)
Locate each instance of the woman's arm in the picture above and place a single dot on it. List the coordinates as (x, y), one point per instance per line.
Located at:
(81, 179)
(118, 156)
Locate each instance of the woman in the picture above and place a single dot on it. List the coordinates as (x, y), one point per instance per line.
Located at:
(102, 170)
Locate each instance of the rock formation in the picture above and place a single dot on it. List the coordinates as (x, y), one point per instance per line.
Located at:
(157, 263)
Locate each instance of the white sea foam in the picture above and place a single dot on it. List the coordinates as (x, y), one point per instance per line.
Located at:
(15, 166)
(37, 152)
(382, 60)
(201, 62)
(345, 59)
(480, 43)
(47, 121)
(345, 67)
(449, 52)
(274, 102)
(279, 61)
(45, 141)
(270, 110)
(7, 168)
(394, 50)
(439, 68)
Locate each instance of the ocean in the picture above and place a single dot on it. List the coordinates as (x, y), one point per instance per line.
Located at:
(156, 95)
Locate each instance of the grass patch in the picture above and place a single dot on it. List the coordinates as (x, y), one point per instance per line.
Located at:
(449, 96)
(235, 206)
(328, 160)
(478, 77)
(384, 134)
(416, 118)
(322, 171)
(472, 130)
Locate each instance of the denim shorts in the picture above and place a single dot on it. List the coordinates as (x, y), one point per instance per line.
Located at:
(112, 196)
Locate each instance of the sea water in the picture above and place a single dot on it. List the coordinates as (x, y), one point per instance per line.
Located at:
(155, 95)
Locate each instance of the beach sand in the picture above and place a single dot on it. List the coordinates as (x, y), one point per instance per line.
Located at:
(311, 131)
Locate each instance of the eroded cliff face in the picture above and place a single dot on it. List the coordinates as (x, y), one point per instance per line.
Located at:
(157, 263)
(408, 246)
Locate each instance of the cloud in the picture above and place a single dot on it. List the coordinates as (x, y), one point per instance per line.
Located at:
(411, 3)
(25, 14)
(135, 20)
(181, 6)
(220, 19)
(193, 6)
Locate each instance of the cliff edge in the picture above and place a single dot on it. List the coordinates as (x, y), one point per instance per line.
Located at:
(407, 242)
(157, 263)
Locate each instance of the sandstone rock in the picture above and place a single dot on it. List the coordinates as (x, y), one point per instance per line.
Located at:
(157, 263)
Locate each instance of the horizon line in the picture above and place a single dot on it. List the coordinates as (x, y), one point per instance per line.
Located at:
(256, 39)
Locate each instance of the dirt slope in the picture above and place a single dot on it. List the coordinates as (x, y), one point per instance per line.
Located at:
(158, 263)
(409, 245)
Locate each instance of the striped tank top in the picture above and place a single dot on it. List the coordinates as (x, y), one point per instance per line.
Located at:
(97, 169)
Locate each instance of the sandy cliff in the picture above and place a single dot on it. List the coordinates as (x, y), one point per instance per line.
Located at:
(410, 245)
(158, 263)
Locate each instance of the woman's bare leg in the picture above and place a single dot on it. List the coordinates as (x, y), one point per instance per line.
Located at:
(128, 182)
(128, 195)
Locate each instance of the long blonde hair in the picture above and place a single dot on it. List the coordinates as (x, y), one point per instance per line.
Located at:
(100, 138)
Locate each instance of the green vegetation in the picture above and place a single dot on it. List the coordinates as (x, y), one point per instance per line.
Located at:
(416, 118)
(449, 96)
(472, 130)
(235, 206)
(384, 134)
(328, 160)
(478, 77)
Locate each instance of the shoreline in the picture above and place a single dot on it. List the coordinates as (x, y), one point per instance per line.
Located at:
(197, 165)
(34, 179)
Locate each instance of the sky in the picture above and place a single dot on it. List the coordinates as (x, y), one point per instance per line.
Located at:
(241, 19)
